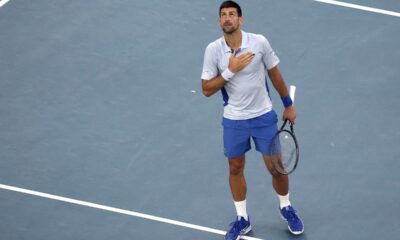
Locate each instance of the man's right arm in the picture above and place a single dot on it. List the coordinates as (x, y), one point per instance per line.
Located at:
(213, 85)
(235, 65)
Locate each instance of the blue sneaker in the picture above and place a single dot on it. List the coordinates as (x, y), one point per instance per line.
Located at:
(295, 224)
(239, 227)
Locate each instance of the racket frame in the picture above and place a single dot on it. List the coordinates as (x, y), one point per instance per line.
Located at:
(291, 133)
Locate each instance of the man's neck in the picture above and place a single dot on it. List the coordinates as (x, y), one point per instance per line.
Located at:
(234, 40)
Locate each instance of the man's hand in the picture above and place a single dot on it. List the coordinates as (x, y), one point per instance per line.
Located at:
(236, 64)
(290, 114)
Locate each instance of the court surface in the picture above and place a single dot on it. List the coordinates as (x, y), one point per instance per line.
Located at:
(101, 106)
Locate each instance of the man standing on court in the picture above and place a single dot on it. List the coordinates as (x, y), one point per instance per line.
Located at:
(236, 64)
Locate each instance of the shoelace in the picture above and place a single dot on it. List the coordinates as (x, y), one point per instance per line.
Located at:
(235, 225)
(291, 214)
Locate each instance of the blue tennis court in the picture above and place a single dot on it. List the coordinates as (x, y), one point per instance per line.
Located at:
(105, 132)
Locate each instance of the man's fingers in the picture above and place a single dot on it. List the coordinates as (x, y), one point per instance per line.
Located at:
(240, 61)
(248, 59)
(245, 55)
(292, 120)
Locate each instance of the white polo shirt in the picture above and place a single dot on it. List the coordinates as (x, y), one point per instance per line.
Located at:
(246, 94)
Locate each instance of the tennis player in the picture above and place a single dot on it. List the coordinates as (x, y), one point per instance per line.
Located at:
(236, 64)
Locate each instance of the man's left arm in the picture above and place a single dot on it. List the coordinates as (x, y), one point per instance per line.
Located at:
(280, 86)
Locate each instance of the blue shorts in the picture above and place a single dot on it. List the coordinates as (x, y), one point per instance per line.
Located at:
(237, 134)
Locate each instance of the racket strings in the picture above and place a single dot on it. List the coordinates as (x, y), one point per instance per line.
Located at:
(283, 152)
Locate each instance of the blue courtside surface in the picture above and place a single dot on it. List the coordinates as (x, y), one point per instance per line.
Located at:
(101, 101)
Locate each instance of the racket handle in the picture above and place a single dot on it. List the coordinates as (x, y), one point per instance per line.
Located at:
(292, 91)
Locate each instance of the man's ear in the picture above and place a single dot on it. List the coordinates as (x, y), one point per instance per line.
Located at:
(241, 20)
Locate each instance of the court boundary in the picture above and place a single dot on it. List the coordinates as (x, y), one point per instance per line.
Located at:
(3, 2)
(117, 210)
(360, 7)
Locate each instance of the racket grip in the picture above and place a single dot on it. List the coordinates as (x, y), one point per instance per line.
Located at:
(292, 91)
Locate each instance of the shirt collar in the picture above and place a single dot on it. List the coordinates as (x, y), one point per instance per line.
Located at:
(244, 45)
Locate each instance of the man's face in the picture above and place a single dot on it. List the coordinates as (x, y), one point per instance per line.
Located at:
(229, 20)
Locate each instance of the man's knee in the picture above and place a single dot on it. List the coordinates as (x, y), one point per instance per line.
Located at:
(270, 167)
(236, 165)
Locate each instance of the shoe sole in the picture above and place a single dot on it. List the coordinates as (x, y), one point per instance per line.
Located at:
(290, 230)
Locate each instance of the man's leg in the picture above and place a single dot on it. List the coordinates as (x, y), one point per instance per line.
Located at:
(237, 143)
(280, 183)
(237, 181)
(238, 186)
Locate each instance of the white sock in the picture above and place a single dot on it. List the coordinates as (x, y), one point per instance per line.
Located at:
(283, 200)
(241, 209)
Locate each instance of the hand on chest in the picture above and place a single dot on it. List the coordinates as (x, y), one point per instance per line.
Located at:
(252, 67)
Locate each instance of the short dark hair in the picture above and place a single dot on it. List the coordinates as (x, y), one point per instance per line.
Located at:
(230, 4)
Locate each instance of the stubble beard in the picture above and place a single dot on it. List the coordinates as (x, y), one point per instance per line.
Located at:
(229, 29)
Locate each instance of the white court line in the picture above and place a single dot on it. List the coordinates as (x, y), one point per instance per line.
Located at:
(2, 2)
(360, 7)
(118, 210)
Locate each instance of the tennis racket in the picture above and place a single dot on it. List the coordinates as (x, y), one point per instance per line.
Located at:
(284, 149)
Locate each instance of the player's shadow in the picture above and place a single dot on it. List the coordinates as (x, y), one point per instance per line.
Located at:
(273, 232)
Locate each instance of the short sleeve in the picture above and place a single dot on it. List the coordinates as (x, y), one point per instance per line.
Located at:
(269, 57)
(210, 63)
